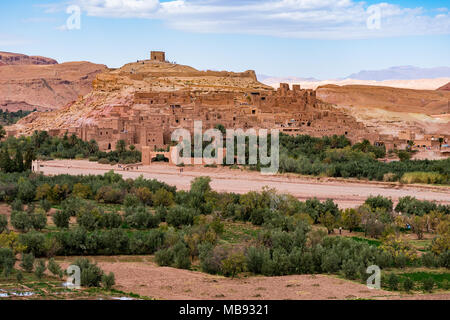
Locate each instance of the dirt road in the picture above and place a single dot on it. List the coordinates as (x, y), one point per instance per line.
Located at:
(346, 194)
(139, 274)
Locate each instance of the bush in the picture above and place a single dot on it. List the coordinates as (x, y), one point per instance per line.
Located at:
(19, 276)
(255, 258)
(350, 269)
(163, 198)
(424, 177)
(428, 285)
(143, 219)
(182, 258)
(379, 202)
(392, 281)
(45, 205)
(103, 161)
(39, 219)
(61, 219)
(34, 242)
(408, 285)
(40, 269)
(180, 216)
(55, 268)
(7, 260)
(27, 262)
(108, 194)
(91, 274)
(131, 201)
(17, 205)
(233, 264)
(108, 281)
(111, 220)
(21, 221)
(211, 258)
(164, 257)
(3, 223)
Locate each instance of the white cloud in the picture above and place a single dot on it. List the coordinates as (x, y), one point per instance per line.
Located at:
(317, 19)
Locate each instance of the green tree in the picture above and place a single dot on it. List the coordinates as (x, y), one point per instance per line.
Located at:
(351, 219)
(328, 221)
(27, 263)
(233, 264)
(121, 146)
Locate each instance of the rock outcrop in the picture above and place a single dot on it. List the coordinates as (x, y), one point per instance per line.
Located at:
(8, 58)
(43, 84)
(445, 88)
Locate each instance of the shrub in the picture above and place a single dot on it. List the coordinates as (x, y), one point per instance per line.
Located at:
(408, 284)
(108, 281)
(163, 198)
(34, 242)
(108, 194)
(255, 258)
(211, 258)
(131, 201)
(111, 220)
(428, 284)
(21, 221)
(3, 223)
(144, 194)
(25, 190)
(103, 161)
(379, 202)
(39, 219)
(45, 205)
(181, 256)
(19, 276)
(233, 264)
(17, 205)
(350, 269)
(392, 281)
(91, 274)
(7, 260)
(27, 263)
(82, 191)
(143, 219)
(180, 216)
(55, 268)
(61, 219)
(71, 206)
(40, 269)
(424, 177)
(164, 257)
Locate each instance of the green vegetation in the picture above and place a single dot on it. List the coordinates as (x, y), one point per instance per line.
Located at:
(8, 118)
(219, 233)
(17, 154)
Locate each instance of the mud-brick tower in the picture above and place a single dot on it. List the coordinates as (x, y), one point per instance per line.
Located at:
(159, 56)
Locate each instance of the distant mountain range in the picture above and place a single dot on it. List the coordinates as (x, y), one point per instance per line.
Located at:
(394, 73)
(402, 73)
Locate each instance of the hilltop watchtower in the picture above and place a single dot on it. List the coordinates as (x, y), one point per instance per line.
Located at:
(158, 56)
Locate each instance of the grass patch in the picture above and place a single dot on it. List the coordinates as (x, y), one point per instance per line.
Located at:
(371, 242)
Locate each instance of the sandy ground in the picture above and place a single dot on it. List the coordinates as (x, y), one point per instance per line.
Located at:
(346, 193)
(147, 279)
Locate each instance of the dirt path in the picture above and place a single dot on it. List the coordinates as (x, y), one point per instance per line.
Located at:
(346, 194)
(147, 279)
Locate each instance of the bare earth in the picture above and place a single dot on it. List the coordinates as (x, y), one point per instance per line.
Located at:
(147, 279)
(346, 193)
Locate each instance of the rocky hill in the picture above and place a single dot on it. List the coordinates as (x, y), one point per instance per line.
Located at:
(391, 109)
(8, 58)
(28, 83)
(445, 88)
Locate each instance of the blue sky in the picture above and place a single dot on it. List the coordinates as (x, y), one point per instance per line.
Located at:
(306, 38)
